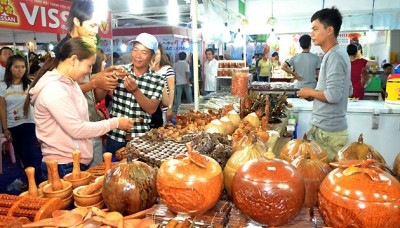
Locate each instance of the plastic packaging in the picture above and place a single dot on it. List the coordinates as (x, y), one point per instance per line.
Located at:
(397, 69)
(240, 82)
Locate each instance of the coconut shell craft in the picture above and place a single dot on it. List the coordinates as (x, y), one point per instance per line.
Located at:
(359, 194)
(130, 187)
(253, 150)
(299, 147)
(359, 151)
(269, 191)
(396, 165)
(314, 172)
(190, 183)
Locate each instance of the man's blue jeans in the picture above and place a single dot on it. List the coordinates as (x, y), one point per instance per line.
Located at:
(112, 145)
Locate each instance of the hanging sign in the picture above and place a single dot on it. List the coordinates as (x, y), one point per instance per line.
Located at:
(42, 16)
(242, 7)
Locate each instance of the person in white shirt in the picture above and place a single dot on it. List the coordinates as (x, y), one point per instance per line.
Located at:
(210, 71)
(5, 52)
(182, 72)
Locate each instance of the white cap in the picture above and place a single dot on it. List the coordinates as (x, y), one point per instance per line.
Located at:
(147, 40)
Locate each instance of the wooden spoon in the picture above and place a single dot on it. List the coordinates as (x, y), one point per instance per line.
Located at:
(66, 220)
(57, 184)
(107, 161)
(32, 188)
(76, 170)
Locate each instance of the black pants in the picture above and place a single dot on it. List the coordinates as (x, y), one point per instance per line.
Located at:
(156, 119)
(26, 147)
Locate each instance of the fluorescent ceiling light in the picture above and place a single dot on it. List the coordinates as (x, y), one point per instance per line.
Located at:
(136, 6)
(173, 13)
(100, 11)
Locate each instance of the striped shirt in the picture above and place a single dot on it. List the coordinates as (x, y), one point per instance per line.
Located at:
(125, 104)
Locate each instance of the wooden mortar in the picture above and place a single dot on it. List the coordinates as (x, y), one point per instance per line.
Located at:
(32, 188)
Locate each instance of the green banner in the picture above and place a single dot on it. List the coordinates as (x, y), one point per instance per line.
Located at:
(242, 7)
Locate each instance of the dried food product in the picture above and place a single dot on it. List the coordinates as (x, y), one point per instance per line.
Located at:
(240, 84)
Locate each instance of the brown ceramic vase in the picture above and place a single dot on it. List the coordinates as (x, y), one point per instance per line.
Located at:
(269, 191)
(360, 195)
(190, 185)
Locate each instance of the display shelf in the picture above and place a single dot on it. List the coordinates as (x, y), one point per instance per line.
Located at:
(224, 77)
(378, 121)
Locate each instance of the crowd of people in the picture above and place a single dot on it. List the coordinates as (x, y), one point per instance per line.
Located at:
(52, 113)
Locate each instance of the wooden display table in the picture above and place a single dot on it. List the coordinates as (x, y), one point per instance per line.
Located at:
(306, 218)
(216, 217)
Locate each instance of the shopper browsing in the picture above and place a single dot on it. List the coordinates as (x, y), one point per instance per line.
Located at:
(5, 53)
(305, 65)
(162, 65)
(19, 128)
(210, 72)
(182, 70)
(265, 68)
(328, 120)
(357, 68)
(61, 114)
(95, 86)
(139, 94)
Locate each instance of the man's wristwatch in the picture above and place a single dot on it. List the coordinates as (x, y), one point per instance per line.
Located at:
(169, 106)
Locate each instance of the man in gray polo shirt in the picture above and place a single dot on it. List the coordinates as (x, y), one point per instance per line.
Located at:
(305, 65)
(329, 124)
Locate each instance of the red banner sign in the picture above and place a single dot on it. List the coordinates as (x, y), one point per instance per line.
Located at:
(42, 16)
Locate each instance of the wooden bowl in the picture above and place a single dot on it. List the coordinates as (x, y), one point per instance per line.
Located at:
(85, 179)
(41, 185)
(62, 194)
(86, 200)
(67, 202)
(26, 193)
(99, 205)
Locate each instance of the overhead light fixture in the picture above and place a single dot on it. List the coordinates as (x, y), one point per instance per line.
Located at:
(51, 47)
(100, 11)
(123, 47)
(272, 39)
(239, 38)
(371, 35)
(226, 34)
(136, 6)
(173, 12)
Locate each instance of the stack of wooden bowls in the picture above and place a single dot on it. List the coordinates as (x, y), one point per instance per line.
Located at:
(89, 195)
(57, 188)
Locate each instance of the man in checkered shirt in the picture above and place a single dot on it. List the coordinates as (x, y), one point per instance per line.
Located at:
(139, 94)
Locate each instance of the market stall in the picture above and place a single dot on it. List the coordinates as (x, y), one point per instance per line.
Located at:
(378, 121)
